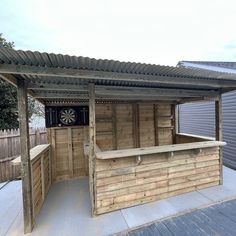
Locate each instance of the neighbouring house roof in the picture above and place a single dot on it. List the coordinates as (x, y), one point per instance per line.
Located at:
(63, 78)
(220, 66)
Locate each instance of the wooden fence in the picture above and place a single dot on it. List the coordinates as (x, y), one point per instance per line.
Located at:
(10, 149)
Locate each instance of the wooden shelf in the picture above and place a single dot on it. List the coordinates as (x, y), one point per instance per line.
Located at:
(156, 149)
(35, 152)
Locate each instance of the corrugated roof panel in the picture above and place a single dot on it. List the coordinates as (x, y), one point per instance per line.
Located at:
(64, 61)
(4, 57)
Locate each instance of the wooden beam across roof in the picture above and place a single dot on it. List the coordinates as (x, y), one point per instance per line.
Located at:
(79, 96)
(121, 90)
(13, 81)
(104, 75)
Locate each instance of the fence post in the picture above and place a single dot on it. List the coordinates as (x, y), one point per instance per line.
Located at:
(37, 137)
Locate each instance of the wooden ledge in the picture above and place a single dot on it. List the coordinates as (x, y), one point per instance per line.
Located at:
(196, 136)
(157, 149)
(35, 152)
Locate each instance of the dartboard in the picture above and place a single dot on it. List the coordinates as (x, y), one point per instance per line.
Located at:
(67, 116)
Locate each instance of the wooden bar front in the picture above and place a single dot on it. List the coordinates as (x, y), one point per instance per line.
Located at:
(128, 181)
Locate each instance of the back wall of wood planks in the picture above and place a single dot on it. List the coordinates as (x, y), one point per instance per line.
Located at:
(121, 126)
(118, 126)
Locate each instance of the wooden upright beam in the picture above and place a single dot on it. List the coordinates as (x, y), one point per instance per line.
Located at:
(173, 122)
(25, 157)
(177, 118)
(92, 146)
(218, 131)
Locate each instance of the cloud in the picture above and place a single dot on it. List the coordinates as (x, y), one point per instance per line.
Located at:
(160, 32)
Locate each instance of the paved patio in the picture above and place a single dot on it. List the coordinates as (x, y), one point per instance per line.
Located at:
(66, 210)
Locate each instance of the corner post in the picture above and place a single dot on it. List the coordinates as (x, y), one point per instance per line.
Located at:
(25, 156)
(218, 131)
(177, 118)
(92, 146)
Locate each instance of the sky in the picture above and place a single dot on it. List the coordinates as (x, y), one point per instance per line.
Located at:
(148, 31)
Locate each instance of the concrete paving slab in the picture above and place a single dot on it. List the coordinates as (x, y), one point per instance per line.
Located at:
(229, 179)
(218, 193)
(188, 201)
(225, 191)
(10, 205)
(66, 210)
(148, 212)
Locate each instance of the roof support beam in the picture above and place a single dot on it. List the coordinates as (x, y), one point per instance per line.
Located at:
(14, 81)
(102, 75)
(101, 89)
(104, 97)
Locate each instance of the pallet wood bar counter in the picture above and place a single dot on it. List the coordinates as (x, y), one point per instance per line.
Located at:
(115, 124)
(134, 176)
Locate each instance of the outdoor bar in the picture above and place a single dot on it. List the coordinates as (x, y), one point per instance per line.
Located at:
(117, 123)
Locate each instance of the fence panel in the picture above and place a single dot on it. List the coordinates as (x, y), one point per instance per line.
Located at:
(10, 149)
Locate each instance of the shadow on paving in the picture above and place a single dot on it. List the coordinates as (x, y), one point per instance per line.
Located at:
(219, 219)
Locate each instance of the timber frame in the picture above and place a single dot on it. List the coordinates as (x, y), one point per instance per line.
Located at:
(59, 80)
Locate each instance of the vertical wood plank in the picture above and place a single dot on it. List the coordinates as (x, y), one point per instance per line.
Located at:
(37, 137)
(136, 133)
(177, 118)
(33, 194)
(114, 126)
(42, 176)
(173, 123)
(218, 131)
(53, 152)
(70, 152)
(156, 125)
(135, 126)
(50, 166)
(25, 156)
(92, 145)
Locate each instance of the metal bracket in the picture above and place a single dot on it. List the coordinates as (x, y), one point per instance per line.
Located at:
(138, 160)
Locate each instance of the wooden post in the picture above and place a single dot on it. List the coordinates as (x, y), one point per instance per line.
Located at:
(218, 131)
(92, 146)
(173, 122)
(177, 120)
(25, 157)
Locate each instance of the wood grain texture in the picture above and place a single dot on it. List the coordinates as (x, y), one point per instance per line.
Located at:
(40, 168)
(92, 146)
(122, 182)
(25, 156)
(68, 159)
